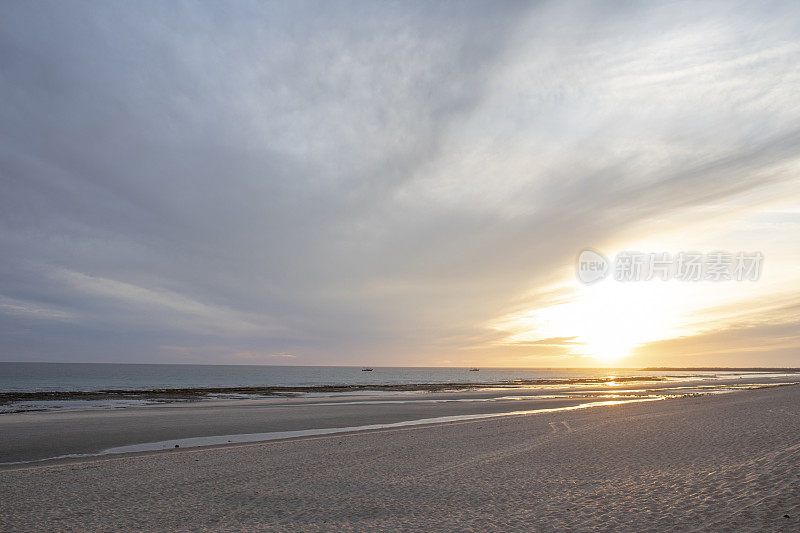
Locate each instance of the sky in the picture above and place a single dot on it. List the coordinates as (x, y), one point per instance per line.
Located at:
(398, 183)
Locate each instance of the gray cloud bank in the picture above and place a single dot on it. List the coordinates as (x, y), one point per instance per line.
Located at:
(356, 182)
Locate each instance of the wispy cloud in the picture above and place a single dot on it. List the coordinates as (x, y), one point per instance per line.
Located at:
(359, 182)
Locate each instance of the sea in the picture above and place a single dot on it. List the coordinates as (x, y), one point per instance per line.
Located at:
(39, 377)
(28, 387)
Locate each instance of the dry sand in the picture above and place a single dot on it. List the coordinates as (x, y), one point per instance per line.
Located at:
(711, 463)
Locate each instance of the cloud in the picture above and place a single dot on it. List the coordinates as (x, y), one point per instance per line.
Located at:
(358, 182)
(12, 307)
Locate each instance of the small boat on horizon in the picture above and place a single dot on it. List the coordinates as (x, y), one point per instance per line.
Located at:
(474, 369)
(367, 369)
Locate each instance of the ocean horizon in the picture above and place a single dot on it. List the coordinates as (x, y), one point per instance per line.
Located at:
(47, 376)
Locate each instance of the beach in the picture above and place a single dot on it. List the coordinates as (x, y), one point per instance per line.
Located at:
(710, 462)
(399, 266)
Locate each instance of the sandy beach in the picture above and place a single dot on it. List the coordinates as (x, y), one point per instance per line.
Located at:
(714, 462)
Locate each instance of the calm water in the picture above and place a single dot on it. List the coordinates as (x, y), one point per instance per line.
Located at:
(36, 377)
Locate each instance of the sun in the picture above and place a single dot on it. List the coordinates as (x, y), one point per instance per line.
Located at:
(609, 347)
(613, 318)
(606, 321)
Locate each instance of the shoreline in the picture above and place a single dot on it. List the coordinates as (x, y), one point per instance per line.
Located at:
(16, 402)
(31, 436)
(24, 394)
(179, 393)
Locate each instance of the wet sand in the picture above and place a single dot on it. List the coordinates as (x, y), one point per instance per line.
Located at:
(33, 436)
(36, 436)
(698, 463)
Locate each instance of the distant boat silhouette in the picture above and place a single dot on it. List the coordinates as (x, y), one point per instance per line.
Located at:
(366, 369)
(474, 369)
